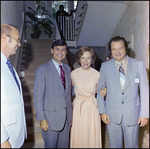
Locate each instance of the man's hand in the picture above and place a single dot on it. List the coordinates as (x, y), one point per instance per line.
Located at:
(44, 125)
(105, 118)
(103, 91)
(6, 144)
(142, 121)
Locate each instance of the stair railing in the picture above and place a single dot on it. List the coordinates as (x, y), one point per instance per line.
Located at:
(69, 26)
(66, 26)
(80, 13)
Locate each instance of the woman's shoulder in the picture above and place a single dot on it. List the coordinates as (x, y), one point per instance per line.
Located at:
(75, 70)
(94, 70)
(95, 73)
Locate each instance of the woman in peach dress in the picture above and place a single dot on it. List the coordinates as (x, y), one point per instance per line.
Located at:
(86, 125)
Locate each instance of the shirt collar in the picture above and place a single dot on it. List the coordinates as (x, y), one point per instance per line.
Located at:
(56, 64)
(123, 62)
(4, 57)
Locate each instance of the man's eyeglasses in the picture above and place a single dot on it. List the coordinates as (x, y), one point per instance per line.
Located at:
(18, 40)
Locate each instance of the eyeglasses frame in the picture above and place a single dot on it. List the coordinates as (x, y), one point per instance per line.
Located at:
(18, 40)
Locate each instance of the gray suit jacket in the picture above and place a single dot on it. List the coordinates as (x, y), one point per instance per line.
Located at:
(127, 102)
(50, 99)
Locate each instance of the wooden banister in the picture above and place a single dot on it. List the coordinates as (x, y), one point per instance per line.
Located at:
(79, 22)
(81, 14)
(83, 6)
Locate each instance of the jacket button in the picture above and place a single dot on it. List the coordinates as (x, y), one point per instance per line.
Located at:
(122, 102)
(122, 93)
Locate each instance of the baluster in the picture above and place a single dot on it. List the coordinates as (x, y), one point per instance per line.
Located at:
(63, 26)
(61, 23)
(68, 27)
(71, 27)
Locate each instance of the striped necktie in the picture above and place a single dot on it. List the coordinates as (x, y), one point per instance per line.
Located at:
(12, 71)
(62, 75)
(121, 75)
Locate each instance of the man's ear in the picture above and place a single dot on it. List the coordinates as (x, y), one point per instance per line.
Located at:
(3, 38)
(66, 52)
(52, 51)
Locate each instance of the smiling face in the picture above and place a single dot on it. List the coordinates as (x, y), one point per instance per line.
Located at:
(86, 60)
(118, 50)
(59, 53)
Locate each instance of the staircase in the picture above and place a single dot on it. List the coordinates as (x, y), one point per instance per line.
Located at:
(35, 53)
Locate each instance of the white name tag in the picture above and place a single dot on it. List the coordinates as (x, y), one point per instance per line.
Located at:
(137, 80)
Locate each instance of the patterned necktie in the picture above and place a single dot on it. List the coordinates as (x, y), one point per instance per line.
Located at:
(62, 75)
(122, 75)
(12, 71)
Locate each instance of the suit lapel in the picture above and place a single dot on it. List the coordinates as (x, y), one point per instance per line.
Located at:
(13, 80)
(66, 79)
(131, 69)
(116, 75)
(56, 75)
(18, 79)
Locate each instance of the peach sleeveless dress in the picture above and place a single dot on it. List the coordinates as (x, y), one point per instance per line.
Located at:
(86, 124)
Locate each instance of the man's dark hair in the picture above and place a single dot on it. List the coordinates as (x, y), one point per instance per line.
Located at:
(61, 6)
(116, 39)
(59, 42)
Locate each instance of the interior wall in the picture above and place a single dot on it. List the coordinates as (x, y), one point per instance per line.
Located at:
(11, 13)
(99, 22)
(134, 27)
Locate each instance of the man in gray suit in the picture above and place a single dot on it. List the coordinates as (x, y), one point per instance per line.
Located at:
(123, 110)
(52, 98)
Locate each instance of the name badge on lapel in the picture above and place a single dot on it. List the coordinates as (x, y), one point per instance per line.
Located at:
(136, 80)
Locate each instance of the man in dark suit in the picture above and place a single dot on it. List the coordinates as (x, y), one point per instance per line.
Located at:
(124, 111)
(52, 98)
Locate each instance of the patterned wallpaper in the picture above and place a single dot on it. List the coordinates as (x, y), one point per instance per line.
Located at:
(135, 23)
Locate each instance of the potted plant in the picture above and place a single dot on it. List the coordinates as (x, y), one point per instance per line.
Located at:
(39, 25)
(46, 26)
